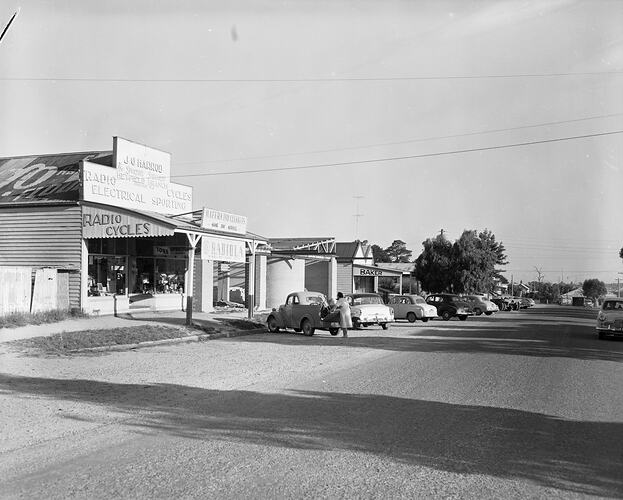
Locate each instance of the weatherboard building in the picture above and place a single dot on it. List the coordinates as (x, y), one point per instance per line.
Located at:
(107, 232)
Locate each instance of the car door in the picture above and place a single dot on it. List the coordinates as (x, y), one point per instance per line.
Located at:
(297, 312)
(287, 310)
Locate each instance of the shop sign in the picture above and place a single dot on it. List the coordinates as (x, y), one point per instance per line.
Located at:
(162, 251)
(222, 249)
(98, 223)
(223, 221)
(109, 186)
(137, 162)
(366, 271)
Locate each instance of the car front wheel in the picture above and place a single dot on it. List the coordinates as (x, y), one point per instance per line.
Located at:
(356, 323)
(446, 315)
(334, 331)
(307, 328)
(462, 318)
(477, 311)
(424, 319)
(272, 325)
(411, 317)
(384, 326)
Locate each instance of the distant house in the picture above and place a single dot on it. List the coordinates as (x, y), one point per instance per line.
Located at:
(567, 298)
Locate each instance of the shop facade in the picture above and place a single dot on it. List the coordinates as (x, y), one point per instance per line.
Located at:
(123, 236)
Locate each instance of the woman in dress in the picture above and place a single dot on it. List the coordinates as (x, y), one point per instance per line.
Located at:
(346, 321)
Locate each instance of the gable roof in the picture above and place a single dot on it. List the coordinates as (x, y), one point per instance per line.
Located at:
(347, 251)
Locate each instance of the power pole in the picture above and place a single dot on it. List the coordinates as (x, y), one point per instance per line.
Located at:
(357, 216)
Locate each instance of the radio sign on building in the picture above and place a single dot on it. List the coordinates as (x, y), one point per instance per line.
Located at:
(139, 180)
(223, 249)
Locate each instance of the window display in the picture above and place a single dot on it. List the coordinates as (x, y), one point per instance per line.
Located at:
(107, 275)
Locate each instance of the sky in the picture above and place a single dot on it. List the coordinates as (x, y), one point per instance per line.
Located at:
(376, 120)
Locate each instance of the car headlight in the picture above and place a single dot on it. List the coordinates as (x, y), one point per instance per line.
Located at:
(355, 311)
(602, 316)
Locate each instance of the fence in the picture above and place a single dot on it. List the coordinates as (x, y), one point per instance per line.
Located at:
(21, 292)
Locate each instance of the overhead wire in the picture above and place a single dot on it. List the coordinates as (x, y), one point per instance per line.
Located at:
(399, 158)
(406, 141)
(307, 80)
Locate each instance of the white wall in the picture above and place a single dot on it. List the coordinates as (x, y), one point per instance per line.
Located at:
(282, 278)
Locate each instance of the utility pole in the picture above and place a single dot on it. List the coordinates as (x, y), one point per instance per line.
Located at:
(357, 216)
(619, 285)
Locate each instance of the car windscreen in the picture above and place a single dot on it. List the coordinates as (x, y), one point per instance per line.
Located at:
(367, 299)
(609, 305)
(419, 300)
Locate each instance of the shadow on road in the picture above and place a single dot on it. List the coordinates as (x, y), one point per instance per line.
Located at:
(544, 333)
(580, 457)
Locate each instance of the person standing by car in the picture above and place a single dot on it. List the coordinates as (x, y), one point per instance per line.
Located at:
(343, 307)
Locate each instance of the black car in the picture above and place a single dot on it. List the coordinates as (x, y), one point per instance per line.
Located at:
(449, 305)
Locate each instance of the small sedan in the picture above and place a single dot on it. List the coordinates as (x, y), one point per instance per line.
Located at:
(368, 309)
(481, 305)
(610, 318)
(411, 307)
(449, 305)
(302, 312)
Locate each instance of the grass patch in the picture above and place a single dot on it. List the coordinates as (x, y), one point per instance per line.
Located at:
(62, 343)
(242, 324)
(14, 320)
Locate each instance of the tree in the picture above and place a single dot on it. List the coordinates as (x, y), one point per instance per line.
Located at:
(468, 265)
(434, 268)
(621, 253)
(379, 254)
(475, 257)
(398, 252)
(594, 288)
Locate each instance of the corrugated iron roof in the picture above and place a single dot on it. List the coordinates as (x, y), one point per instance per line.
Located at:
(53, 177)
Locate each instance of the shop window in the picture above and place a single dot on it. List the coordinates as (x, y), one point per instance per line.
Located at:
(107, 275)
(144, 275)
(170, 275)
(159, 275)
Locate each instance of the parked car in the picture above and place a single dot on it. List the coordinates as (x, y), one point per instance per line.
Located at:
(527, 302)
(411, 307)
(480, 304)
(302, 312)
(502, 302)
(610, 318)
(368, 309)
(449, 305)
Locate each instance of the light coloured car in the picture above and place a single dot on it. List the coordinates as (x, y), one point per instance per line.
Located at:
(411, 307)
(610, 318)
(480, 304)
(368, 309)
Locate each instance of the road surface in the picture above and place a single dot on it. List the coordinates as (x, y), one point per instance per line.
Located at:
(523, 404)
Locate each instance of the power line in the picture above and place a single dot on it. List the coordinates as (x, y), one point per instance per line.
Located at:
(397, 158)
(406, 141)
(306, 80)
(6, 28)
